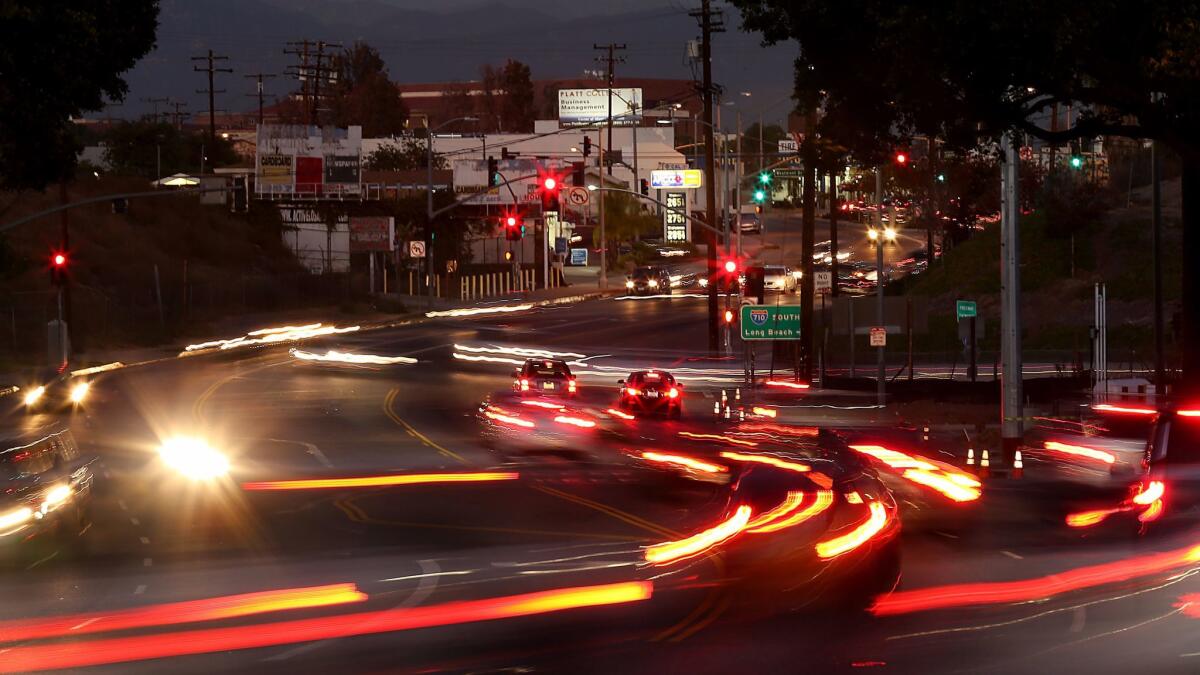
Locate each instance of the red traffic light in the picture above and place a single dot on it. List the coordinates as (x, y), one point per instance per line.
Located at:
(731, 266)
(511, 221)
(901, 158)
(59, 259)
(549, 182)
(729, 316)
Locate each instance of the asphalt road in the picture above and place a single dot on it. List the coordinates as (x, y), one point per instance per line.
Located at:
(1082, 605)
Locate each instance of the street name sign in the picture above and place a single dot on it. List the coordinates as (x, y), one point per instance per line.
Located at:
(966, 309)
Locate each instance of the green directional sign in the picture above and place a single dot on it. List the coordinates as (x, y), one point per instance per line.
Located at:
(770, 322)
(966, 309)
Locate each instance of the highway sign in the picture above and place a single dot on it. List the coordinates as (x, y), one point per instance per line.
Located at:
(878, 336)
(823, 282)
(578, 196)
(416, 249)
(770, 322)
(966, 309)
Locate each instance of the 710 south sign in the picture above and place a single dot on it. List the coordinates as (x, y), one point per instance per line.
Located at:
(770, 322)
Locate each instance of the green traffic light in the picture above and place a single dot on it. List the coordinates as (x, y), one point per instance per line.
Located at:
(759, 195)
(1076, 162)
(764, 178)
(941, 178)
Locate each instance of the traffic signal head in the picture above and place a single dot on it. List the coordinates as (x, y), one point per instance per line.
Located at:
(731, 266)
(760, 196)
(941, 177)
(58, 268)
(901, 158)
(764, 178)
(644, 186)
(493, 172)
(511, 221)
(59, 260)
(1076, 162)
(549, 183)
(514, 228)
(587, 146)
(728, 316)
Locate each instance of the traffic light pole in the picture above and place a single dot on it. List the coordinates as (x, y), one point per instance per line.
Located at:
(880, 367)
(710, 193)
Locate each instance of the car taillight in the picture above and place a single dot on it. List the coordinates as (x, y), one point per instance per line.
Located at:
(571, 386)
(673, 393)
(524, 385)
(632, 392)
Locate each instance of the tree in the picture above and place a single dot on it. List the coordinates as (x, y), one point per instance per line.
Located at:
(771, 135)
(144, 148)
(405, 155)
(59, 60)
(967, 71)
(625, 221)
(364, 95)
(518, 107)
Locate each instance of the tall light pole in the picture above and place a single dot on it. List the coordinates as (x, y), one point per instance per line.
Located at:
(881, 374)
(429, 205)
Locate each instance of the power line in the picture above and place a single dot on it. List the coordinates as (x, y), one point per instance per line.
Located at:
(259, 77)
(610, 60)
(212, 70)
(311, 71)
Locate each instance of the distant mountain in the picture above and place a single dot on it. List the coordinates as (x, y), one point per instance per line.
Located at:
(451, 44)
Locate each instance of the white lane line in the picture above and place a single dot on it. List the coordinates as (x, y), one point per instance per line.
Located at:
(148, 562)
(1012, 555)
(1184, 656)
(145, 540)
(121, 503)
(1078, 619)
(140, 589)
(946, 534)
(85, 623)
(85, 529)
(39, 562)
(135, 521)
(424, 576)
(425, 586)
(311, 449)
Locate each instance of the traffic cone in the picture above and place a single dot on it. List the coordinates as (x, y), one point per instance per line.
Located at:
(737, 395)
(741, 414)
(728, 413)
(985, 467)
(1018, 467)
(716, 408)
(970, 456)
(925, 434)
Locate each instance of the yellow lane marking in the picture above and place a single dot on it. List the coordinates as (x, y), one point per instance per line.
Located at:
(388, 401)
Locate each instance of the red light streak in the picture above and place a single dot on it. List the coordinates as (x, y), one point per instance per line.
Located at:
(765, 412)
(1081, 451)
(1152, 513)
(1090, 518)
(718, 437)
(509, 419)
(543, 404)
(144, 647)
(700, 542)
(789, 385)
(951, 484)
(1106, 407)
(1188, 413)
(766, 427)
(1030, 590)
(617, 413)
(940, 482)
(191, 611)
(786, 514)
(831, 548)
(1152, 492)
(682, 460)
(381, 481)
(767, 459)
(575, 421)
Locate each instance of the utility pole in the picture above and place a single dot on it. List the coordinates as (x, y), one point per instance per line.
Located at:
(212, 70)
(610, 61)
(737, 174)
(302, 72)
(600, 197)
(807, 232)
(880, 368)
(707, 27)
(154, 102)
(180, 111)
(833, 236)
(261, 93)
(1160, 371)
(1011, 404)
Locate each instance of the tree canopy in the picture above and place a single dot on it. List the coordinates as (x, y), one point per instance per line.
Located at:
(57, 61)
(146, 147)
(403, 155)
(364, 95)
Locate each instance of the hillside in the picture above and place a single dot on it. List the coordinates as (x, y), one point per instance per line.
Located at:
(1058, 307)
(207, 262)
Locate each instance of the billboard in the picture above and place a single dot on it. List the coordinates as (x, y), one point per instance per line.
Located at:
(341, 170)
(310, 174)
(590, 106)
(676, 178)
(274, 170)
(371, 233)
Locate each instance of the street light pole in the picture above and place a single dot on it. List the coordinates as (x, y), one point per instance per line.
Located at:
(429, 206)
(880, 374)
(1011, 405)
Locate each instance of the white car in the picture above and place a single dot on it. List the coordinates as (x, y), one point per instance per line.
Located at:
(780, 278)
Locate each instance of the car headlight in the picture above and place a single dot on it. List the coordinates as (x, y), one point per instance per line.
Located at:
(872, 234)
(889, 234)
(703, 282)
(654, 283)
(15, 518)
(34, 395)
(80, 392)
(628, 284)
(193, 458)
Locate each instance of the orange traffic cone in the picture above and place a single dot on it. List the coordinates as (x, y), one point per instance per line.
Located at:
(985, 466)
(1018, 467)
(970, 456)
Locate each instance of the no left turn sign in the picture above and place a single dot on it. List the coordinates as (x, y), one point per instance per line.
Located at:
(578, 196)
